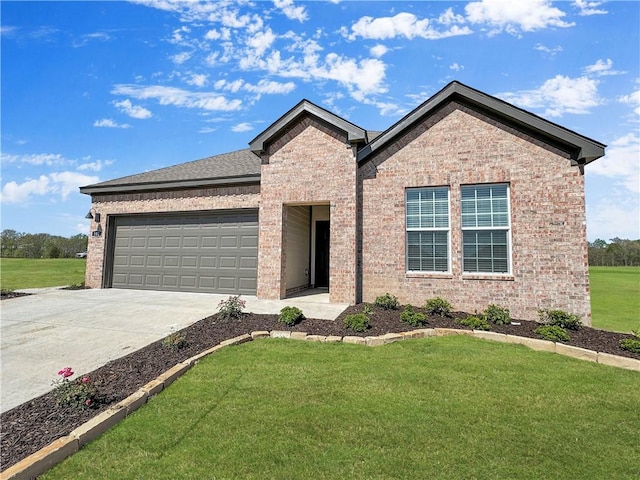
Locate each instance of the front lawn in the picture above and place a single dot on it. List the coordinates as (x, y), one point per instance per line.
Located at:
(446, 407)
(18, 273)
(615, 298)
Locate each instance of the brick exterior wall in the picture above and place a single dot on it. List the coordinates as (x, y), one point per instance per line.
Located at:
(195, 200)
(311, 164)
(458, 146)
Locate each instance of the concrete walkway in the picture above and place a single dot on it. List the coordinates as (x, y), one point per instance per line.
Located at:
(84, 329)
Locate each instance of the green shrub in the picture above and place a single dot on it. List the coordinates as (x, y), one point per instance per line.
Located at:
(560, 318)
(231, 307)
(497, 315)
(412, 317)
(290, 315)
(367, 310)
(387, 301)
(475, 322)
(175, 341)
(358, 322)
(630, 344)
(554, 333)
(79, 393)
(438, 306)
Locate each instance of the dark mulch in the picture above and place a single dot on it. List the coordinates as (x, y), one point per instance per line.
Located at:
(34, 424)
(7, 294)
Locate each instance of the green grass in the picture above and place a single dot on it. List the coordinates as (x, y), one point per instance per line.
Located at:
(615, 298)
(442, 408)
(17, 273)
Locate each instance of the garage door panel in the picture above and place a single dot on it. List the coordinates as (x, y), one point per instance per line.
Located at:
(214, 253)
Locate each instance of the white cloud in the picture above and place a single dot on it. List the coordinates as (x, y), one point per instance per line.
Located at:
(260, 42)
(404, 24)
(178, 97)
(36, 159)
(456, 67)
(588, 8)
(199, 80)
(94, 166)
(242, 127)
(180, 58)
(632, 99)
(134, 111)
(207, 130)
(270, 87)
(360, 78)
(108, 123)
(291, 12)
(60, 183)
(449, 18)
(543, 48)
(621, 162)
(601, 68)
(13, 192)
(558, 95)
(378, 50)
(515, 17)
(614, 215)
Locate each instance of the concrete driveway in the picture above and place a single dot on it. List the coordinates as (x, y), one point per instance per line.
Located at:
(84, 329)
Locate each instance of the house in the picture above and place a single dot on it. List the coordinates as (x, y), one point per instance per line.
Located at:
(467, 198)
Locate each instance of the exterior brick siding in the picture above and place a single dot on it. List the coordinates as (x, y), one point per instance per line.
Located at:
(311, 164)
(458, 146)
(195, 200)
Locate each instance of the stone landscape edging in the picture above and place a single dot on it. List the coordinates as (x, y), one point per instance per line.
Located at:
(39, 462)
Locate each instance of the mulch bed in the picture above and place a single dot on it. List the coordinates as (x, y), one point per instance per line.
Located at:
(7, 294)
(29, 427)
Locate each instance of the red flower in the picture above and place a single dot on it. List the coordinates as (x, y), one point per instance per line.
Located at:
(85, 379)
(66, 372)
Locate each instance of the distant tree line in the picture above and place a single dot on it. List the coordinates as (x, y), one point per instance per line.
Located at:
(40, 245)
(618, 253)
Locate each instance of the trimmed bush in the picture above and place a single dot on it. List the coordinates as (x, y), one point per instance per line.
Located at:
(290, 315)
(630, 344)
(358, 322)
(497, 315)
(387, 301)
(231, 307)
(475, 322)
(410, 316)
(438, 306)
(367, 310)
(554, 333)
(560, 318)
(174, 341)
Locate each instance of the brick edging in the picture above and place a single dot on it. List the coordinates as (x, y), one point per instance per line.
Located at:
(47, 457)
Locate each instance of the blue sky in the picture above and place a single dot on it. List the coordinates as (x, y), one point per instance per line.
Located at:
(93, 91)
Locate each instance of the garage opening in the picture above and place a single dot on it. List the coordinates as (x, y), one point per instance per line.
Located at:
(213, 252)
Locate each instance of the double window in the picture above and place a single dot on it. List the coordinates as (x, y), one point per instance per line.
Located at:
(427, 221)
(485, 228)
(485, 222)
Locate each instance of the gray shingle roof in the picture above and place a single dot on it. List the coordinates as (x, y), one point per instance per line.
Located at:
(241, 166)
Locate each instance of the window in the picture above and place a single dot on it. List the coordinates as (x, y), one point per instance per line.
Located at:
(427, 223)
(485, 228)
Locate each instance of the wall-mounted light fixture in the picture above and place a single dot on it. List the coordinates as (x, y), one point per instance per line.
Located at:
(93, 215)
(97, 232)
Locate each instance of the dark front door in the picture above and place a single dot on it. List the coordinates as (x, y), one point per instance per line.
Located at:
(322, 253)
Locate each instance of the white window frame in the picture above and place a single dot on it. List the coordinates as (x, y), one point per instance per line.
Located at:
(446, 229)
(506, 229)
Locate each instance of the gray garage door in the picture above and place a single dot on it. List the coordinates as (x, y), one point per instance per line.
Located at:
(213, 253)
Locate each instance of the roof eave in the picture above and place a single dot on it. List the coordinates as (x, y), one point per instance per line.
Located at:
(171, 185)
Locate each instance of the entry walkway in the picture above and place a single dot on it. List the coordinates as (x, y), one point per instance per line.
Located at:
(84, 329)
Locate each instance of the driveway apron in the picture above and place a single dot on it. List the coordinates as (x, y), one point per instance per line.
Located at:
(84, 329)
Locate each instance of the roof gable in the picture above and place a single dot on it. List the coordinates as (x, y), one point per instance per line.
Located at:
(354, 133)
(586, 150)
